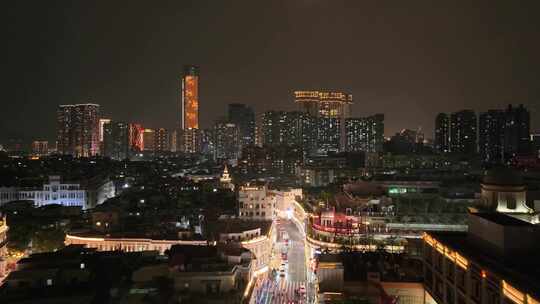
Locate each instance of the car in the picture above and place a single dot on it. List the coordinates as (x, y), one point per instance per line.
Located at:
(302, 289)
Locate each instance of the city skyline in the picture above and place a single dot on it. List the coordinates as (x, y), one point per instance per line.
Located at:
(476, 61)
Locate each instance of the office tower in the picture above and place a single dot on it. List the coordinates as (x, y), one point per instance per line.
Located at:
(365, 133)
(442, 133)
(116, 140)
(244, 117)
(78, 129)
(226, 141)
(40, 147)
(190, 109)
(463, 132)
(136, 143)
(330, 109)
(491, 125)
(149, 140)
(516, 131)
(162, 140)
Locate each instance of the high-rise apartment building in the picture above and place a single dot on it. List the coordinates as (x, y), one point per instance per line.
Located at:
(280, 128)
(78, 129)
(226, 141)
(330, 110)
(365, 134)
(162, 140)
(191, 140)
(136, 143)
(149, 140)
(463, 132)
(516, 131)
(116, 140)
(102, 122)
(442, 133)
(244, 117)
(40, 147)
(491, 125)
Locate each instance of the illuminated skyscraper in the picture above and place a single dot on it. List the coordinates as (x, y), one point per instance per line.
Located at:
(102, 122)
(78, 129)
(135, 138)
(190, 109)
(330, 109)
(149, 140)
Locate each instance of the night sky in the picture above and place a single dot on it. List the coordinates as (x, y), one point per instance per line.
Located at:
(406, 59)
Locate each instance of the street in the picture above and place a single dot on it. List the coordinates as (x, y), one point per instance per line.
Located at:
(289, 283)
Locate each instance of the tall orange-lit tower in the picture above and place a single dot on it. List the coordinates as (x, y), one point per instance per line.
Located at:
(190, 110)
(190, 98)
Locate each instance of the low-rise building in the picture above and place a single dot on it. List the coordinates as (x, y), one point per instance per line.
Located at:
(85, 194)
(256, 203)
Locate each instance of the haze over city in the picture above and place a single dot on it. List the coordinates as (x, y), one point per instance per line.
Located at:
(406, 60)
(270, 152)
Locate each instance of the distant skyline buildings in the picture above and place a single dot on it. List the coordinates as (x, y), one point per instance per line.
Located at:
(497, 135)
(442, 133)
(244, 117)
(463, 128)
(330, 109)
(78, 129)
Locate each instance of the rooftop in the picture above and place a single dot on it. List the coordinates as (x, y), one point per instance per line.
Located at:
(503, 219)
(523, 273)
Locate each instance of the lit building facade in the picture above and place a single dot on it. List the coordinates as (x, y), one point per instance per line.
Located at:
(493, 263)
(491, 136)
(256, 203)
(40, 147)
(191, 139)
(102, 122)
(463, 132)
(78, 129)
(135, 133)
(190, 97)
(149, 140)
(3, 246)
(161, 140)
(53, 192)
(365, 134)
(330, 109)
(442, 133)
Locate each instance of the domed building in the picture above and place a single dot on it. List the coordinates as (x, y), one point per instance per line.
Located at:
(503, 190)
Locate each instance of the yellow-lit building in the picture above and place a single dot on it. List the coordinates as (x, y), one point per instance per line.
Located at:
(496, 262)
